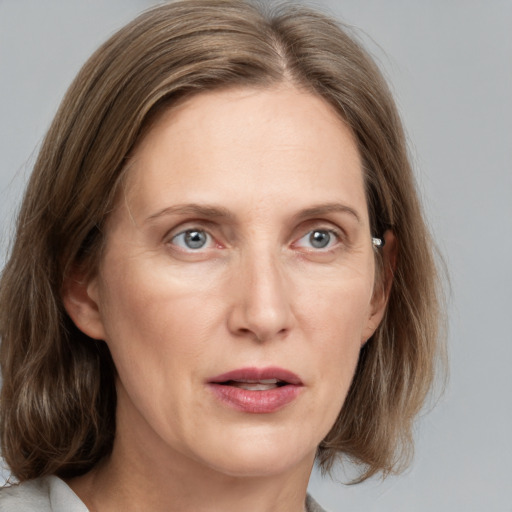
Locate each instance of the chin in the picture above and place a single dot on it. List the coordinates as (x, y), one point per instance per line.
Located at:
(248, 453)
(262, 465)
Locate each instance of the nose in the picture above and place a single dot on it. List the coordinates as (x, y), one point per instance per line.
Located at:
(261, 307)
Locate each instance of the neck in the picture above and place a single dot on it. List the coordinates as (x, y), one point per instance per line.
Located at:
(144, 474)
(114, 486)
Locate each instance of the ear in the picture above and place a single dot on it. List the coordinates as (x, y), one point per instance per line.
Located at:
(81, 301)
(383, 285)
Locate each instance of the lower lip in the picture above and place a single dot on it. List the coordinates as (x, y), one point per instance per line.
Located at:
(256, 402)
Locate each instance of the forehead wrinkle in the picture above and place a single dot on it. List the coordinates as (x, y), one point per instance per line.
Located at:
(127, 205)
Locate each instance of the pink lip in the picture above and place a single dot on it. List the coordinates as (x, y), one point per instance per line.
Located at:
(256, 402)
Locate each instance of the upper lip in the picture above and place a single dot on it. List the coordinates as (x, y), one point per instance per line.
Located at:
(258, 374)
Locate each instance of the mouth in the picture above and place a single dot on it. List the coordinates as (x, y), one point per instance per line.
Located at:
(255, 385)
(256, 391)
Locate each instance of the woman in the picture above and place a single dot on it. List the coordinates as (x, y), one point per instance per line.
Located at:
(220, 274)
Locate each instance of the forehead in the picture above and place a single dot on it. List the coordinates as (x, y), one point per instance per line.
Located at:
(245, 148)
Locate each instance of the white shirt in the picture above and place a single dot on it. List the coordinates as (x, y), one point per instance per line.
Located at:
(51, 494)
(48, 494)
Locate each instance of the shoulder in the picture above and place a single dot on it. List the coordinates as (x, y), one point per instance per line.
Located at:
(47, 494)
(312, 505)
(32, 495)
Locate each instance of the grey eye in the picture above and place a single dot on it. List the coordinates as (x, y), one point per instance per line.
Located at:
(320, 239)
(191, 239)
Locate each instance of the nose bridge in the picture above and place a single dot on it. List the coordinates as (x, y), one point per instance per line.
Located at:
(263, 308)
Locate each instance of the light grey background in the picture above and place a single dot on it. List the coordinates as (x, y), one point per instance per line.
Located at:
(450, 66)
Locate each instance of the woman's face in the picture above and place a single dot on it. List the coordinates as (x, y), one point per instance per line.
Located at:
(236, 287)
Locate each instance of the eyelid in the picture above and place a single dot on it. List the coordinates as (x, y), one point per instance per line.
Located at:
(208, 242)
(302, 231)
(333, 230)
(193, 225)
(189, 225)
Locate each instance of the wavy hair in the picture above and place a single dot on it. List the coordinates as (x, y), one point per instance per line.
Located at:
(58, 400)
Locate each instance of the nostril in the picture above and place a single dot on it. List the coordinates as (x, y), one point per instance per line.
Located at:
(262, 312)
(262, 336)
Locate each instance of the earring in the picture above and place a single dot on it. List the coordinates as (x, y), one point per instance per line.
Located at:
(378, 242)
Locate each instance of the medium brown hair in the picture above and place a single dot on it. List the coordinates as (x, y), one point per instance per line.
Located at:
(58, 397)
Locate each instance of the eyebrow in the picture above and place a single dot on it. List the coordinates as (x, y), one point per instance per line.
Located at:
(219, 212)
(326, 208)
(208, 211)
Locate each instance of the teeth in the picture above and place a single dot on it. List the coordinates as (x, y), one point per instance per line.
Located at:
(262, 381)
(255, 386)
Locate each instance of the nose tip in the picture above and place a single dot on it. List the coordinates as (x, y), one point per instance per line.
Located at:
(262, 308)
(263, 324)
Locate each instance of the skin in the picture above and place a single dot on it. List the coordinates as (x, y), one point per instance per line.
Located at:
(257, 294)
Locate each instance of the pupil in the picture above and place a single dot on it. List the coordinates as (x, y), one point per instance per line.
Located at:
(195, 239)
(320, 239)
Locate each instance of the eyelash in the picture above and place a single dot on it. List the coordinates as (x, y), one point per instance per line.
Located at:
(191, 231)
(332, 233)
(335, 239)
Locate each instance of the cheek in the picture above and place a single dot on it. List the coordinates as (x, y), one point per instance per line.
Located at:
(159, 329)
(335, 318)
(159, 321)
(338, 307)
